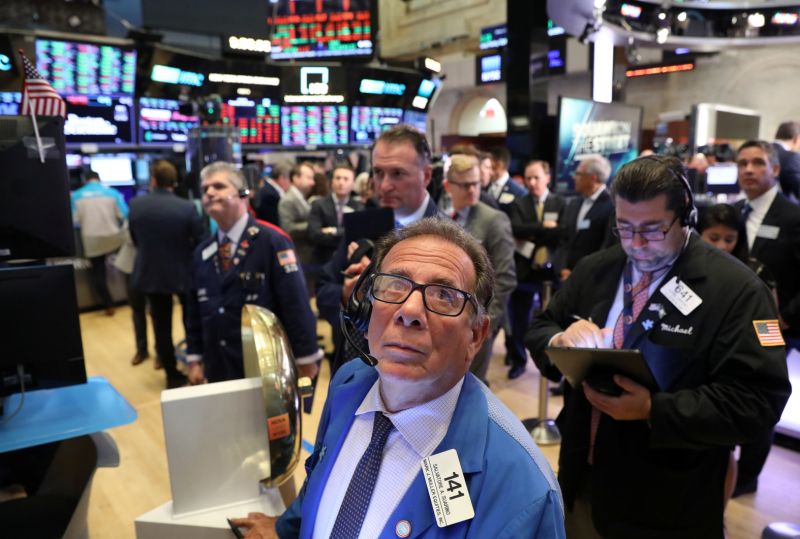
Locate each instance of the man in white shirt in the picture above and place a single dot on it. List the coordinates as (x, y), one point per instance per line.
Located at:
(380, 425)
(503, 189)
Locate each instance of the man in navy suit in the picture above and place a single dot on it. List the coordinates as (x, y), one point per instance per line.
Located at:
(165, 230)
(269, 196)
(787, 142)
(326, 219)
(401, 168)
(772, 225)
(587, 217)
(503, 189)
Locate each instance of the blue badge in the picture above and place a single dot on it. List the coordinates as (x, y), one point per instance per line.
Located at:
(647, 324)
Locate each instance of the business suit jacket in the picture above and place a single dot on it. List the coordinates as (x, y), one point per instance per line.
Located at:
(493, 229)
(790, 171)
(527, 227)
(781, 256)
(510, 189)
(165, 230)
(293, 210)
(583, 242)
(718, 387)
(498, 459)
(266, 208)
(323, 215)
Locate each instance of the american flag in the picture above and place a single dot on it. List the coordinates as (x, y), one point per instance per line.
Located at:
(37, 94)
(768, 332)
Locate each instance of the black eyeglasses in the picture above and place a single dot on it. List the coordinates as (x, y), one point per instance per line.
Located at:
(437, 298)
(649, 233)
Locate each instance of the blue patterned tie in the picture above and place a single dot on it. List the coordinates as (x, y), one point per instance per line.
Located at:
(359, 493)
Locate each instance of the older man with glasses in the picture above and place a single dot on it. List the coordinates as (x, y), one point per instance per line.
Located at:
(417, 445)
(652, 463)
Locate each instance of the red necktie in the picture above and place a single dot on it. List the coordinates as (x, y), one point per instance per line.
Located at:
(225, 254)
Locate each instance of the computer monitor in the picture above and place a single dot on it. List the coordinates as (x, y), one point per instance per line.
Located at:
(723, 178)
(114, 170)
(40, 331)
(35, 216)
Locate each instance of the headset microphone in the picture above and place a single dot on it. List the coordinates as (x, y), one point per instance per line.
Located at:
(354, 318)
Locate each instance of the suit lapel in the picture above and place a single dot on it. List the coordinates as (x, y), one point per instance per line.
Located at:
(772, 218)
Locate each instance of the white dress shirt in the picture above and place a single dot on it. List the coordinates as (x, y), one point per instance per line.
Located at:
(416, 434)
(418, 214)
(235, 233)
(497, 186)
(760, 207)
(587, 204)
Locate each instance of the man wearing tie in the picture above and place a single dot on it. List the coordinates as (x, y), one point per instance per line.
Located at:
(246, 262)
(651, 462)
(537, 222)
(492, 228)
(326, 220)
(772, 225)
(587, 217)
(503, 189)
(367, 474)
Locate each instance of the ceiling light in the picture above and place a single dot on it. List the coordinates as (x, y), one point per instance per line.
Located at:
(756, 20)
(661, 35)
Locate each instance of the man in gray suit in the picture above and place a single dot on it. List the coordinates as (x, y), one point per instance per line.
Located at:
(493, 229)
(165, 230)
(293, 210)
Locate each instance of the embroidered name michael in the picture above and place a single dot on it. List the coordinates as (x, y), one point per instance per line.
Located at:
(677, 329)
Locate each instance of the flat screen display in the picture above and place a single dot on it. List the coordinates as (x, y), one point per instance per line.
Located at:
(366, 123)
(416, 119)
(114, 170)
(258, 120)
(87, 68)
(587, 127)
(9, 103)
(494, 37)
(425, 92)
(722, 178)
(314, 125)
(322, 29)
(161, 122)
(490, 68)
(99, 120)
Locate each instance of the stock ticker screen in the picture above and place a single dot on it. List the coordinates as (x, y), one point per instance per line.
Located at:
(322, 28)
(9, 103)
(369, 122)
(258, 122)
(162, 122)
(86, 68)
(314, 125)
(99, 120)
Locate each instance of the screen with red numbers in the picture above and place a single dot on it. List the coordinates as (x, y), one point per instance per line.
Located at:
(314, 125)
(258, 120)
(322, 28)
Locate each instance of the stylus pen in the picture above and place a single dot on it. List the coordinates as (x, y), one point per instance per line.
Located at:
(576, 317)
(235, 529)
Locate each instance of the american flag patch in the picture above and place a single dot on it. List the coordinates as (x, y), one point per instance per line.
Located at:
(768, 332)
(286, 257)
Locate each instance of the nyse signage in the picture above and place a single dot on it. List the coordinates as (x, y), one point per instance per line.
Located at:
(313, 84)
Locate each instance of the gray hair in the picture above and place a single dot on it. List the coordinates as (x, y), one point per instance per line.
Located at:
(232, 172)
(360, 185)
(450, 232)
(597, 165)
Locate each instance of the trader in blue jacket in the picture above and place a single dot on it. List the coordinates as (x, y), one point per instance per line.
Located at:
(244, 262)
(417, 446)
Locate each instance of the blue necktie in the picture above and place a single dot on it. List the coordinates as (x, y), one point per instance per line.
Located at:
(746, 210)
(359, 492)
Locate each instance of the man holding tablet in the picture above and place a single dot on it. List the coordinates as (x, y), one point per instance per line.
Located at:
(653, 463)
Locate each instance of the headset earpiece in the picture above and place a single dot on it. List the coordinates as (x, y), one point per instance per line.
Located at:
(356, 314)
(689, 215)
(244, 192)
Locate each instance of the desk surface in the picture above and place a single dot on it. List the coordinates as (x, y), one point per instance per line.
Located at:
(50, 415)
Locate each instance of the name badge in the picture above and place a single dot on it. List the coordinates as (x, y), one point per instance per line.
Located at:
(347, 209)
(209, 251)
(447, 488)
(550, 216)
(506, 198)
(768, 231)
(681, 296)
(525, 248)
(584, 224)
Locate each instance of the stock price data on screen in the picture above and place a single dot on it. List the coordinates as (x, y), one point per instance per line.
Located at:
(313, 125)
(307, 29)
(86, 68)
(369, 122)
(257, 122)
(100, 120)
(161, 121)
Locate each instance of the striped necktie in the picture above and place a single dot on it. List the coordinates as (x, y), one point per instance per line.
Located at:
(225, 254)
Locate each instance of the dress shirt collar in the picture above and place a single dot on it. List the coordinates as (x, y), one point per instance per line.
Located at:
(783, 145)
(499, 184)
(406, 220)
(762, 203)
(423, 426)
(277, 187)
(236, 231)
(542, 198)
(596, 194)
(337, 202)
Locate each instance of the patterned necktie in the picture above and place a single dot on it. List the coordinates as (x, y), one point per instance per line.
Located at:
(745, 211)
(541, 256)
(359, 492)
(225, 254)
(634, 299)
(339, 213)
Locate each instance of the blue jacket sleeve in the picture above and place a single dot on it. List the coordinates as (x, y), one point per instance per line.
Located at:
(329, 284)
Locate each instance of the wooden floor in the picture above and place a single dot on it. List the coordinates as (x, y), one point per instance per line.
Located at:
(141, 481)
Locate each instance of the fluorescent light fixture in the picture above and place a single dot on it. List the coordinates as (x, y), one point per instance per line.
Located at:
(630, 11)
(603, 71)
(232, 78)
(244, 91)
(313, 98)
(682, 16)
(661, 35)
(756, 20)
(249, 44)
(433, 65)
(662, 16)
